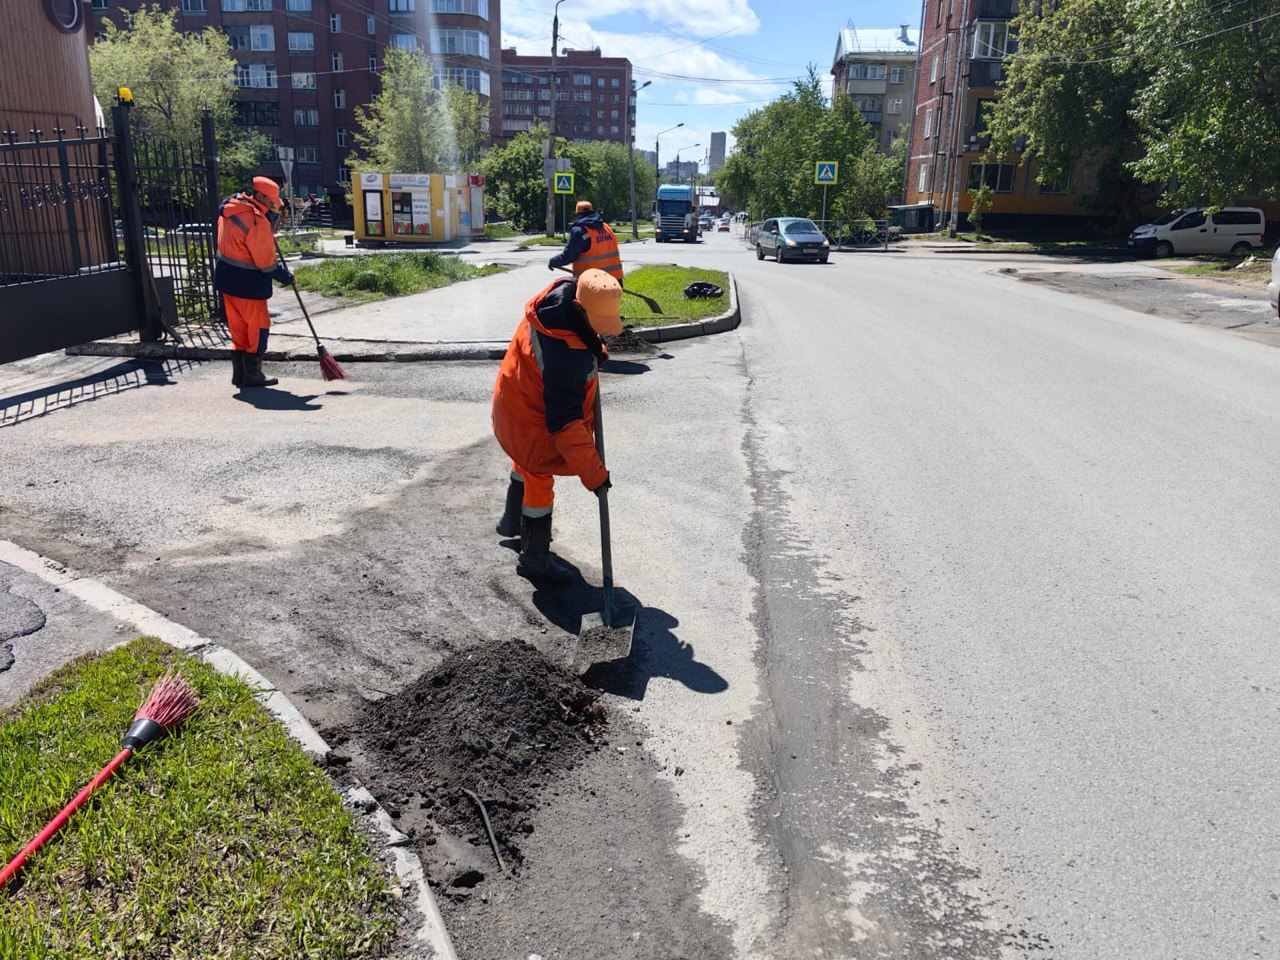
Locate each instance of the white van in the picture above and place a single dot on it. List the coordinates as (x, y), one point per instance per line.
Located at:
(1194, 230)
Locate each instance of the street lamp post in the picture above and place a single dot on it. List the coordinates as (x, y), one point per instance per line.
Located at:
(657, 159)
(631, 155)
(550, 152)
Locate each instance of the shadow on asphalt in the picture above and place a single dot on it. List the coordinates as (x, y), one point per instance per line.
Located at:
(118, 378)
(267, 398)
(625, 367)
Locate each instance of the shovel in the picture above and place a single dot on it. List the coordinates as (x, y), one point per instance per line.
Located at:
(651, 303)
(605, 635)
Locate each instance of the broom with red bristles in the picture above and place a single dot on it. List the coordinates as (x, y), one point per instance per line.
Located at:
(172, 700)
(329, 367)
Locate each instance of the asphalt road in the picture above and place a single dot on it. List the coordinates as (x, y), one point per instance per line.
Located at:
(958, 608)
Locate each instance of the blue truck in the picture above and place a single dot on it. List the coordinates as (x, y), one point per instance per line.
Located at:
(677, 215)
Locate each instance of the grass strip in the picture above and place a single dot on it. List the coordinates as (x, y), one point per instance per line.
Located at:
(224, 841)
(381, 275)
(622, 232)
(665, 283)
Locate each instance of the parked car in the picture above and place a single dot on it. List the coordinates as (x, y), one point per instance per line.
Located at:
(1273, 288)
(792, 238)
(1234, 230)
(723, 226)
(192, 230)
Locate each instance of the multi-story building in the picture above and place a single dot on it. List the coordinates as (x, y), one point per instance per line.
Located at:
(594, 95)
(680, 171)
(961, 64)
(877, 69)
(715, 159)
(649, 156)
(305, 65)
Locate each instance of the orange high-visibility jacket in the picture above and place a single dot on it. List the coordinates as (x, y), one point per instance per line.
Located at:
(603, 253)
(246, 250)
(544, 397)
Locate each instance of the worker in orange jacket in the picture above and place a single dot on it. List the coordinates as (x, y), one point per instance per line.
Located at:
(247, 263)
(592, 245)
(544, 409)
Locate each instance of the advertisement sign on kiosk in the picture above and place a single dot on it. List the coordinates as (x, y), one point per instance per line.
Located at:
(417, 207)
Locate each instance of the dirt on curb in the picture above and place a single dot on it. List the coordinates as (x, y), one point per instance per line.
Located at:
(501, 721)
(628, 342)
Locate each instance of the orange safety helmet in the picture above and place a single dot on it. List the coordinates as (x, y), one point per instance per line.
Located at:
(584, 206)
(268, 188)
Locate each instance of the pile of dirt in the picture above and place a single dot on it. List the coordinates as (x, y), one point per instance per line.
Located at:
(501, 721)
(628, 342)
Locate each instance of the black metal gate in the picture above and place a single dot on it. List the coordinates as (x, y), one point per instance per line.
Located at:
(101, 235)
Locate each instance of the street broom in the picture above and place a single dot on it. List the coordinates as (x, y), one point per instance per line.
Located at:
(329, 367)
(172, 700)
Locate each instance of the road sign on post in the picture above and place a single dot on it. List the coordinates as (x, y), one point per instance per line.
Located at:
(826, 173)
(564, 183)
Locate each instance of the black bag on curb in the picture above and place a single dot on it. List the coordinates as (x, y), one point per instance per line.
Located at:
(701, 289)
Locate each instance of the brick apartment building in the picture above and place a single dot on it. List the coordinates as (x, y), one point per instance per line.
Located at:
(948, 131)
(305, 65)
(594, 96)
(877, 68)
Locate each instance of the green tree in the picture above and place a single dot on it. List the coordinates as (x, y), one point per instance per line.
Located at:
(175, 77)
(771, 169)
(468, 117)
(406, 129)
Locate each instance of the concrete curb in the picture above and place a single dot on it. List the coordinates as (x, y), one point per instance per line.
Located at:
(729, 320)
(431, 933)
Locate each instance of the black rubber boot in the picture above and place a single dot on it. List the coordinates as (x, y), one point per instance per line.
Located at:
(536, 561)
(253, 376)
(237, 368)
(509, 525)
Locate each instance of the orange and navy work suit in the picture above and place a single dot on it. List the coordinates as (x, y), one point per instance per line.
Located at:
(591, 244)
(246, 265)
(544, 399)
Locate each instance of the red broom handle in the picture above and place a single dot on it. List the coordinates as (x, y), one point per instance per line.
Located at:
(56, 824)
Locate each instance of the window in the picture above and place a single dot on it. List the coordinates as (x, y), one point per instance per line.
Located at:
(582, 79)
(373, 63)
(370, 25)
(1192, 220)
(898, 75)
(614, 128)
(544, 94)
(335, 61)
(335, 23)
(238, 37)
(308, 154)
(599, 81)
(302, 41)
(98, 5)
(298, 6)
(581, 96)
(262, 36)
(405, 41)
(928, 123)
(304, 81)
(613, 114)
(339, 98)
(306, 117)
(923, 178)
(260, 76)
(614, 82)
(470, 42)
(400, 6)
(933, 70)
(516, 126)
(997, 176)
(246, 6)
(477, 8)
(895, 106)
(195, 6)
(990, 40)
(344, 174)
(468, 78)
(263, 113)
(341, 135)
(867, 71)
(1252, 218)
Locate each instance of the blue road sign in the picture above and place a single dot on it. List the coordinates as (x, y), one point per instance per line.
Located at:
(564, 183)
(826, 172)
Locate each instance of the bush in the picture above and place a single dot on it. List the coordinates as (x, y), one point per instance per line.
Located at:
(371, 277)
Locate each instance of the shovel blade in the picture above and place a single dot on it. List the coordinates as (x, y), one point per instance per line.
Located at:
(600, 642)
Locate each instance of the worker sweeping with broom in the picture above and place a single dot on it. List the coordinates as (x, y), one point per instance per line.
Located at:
(543, 409)
(247, 263)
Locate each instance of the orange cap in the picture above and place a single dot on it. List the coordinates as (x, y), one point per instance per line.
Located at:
(584, 206)
(600, 295)
(268, 188)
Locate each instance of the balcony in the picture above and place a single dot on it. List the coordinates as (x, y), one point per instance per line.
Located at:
(985, 74)
(875, 118)
(997, 9)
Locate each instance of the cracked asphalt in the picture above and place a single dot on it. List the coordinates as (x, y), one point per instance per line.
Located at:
(958, 606)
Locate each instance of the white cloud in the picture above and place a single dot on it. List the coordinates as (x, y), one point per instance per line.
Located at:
(699, 17)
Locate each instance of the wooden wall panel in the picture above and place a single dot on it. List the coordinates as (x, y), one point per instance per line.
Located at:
(44, 73)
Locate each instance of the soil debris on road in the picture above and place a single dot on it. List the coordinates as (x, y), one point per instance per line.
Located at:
(502, 721)
(628, 341)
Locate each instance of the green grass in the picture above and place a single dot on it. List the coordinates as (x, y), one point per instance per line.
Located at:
(224, 841)
(1230, 267)
(665, 283)
(622, 231)
(502, 230)
(380, 275)
(291, 244)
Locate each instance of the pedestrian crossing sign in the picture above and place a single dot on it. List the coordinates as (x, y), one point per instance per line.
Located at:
(826, 172)
(564, 183)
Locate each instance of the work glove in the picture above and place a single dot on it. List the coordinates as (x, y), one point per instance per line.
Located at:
(282, 275)
(603, 488)
(551, 264)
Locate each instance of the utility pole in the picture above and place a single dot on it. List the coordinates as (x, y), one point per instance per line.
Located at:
(959, 98)
(657, 160)
(549, 169)
(631, 156)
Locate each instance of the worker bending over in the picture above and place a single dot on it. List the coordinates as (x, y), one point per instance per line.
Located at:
(592, 245)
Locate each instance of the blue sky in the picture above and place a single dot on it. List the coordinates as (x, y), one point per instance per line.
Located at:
(743, 52)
